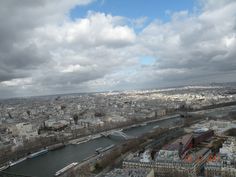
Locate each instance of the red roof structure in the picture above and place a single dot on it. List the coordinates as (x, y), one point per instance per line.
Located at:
(181, 144)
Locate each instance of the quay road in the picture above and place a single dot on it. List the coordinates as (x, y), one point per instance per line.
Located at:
(47, 164)
(217, 112)
(6, 174)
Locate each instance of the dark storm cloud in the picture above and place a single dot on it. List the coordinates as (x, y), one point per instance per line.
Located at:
(72, 78)
(6, 75)
(26, 58)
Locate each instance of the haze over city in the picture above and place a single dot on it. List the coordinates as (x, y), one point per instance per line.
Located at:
(51, 47)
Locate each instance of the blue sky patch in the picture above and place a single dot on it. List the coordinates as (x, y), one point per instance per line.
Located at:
(147, 60)
(153, 9)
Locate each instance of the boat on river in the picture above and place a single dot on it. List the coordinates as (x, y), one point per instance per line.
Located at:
(17, 161)
(36, 154)
(66, 168)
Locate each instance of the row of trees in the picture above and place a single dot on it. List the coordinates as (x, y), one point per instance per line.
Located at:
(8, 153)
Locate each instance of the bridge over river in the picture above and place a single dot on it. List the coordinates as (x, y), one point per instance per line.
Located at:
(117, 134)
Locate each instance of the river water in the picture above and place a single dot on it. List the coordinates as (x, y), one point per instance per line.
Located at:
(46, 165)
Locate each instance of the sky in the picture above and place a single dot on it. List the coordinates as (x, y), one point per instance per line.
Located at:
(71, 46)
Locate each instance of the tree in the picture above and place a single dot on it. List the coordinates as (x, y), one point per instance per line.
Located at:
(28, 112)
(75, 118)
(9, 114)
(63, 107)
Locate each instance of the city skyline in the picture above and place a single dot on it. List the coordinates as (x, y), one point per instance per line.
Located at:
(51, 47)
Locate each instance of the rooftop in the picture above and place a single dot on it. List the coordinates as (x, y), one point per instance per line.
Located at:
(128, 173)
(175, 145)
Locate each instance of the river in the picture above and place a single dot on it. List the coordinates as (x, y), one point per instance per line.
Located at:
(46, 165)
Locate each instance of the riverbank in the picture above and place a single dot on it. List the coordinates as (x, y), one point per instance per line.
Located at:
(98, 135)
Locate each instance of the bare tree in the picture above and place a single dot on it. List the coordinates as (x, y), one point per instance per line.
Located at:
(75, 118)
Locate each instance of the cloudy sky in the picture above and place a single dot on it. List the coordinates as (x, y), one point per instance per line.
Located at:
(63, 46)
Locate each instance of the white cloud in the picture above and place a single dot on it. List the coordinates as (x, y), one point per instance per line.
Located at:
(71, 68)
(17, 82)
(95, 30)
(229, 40)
